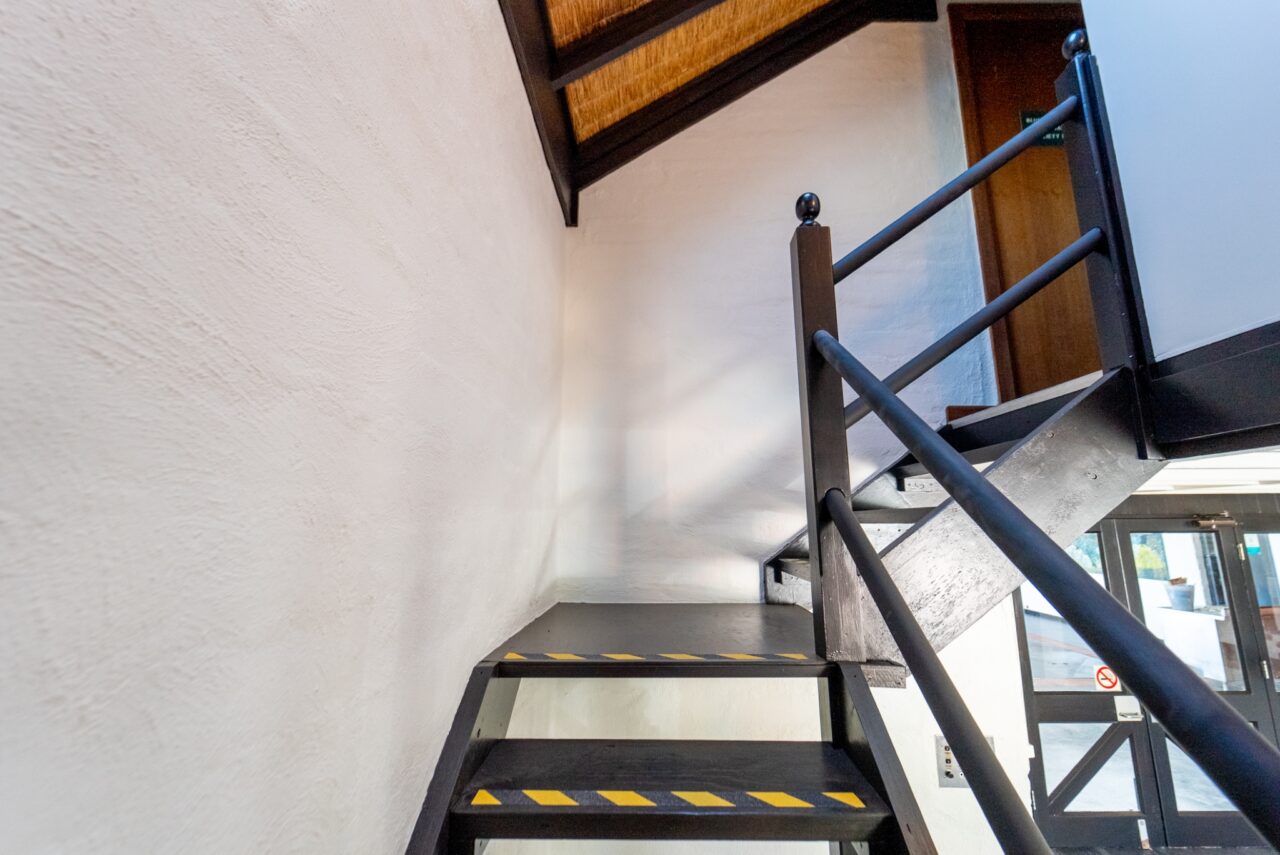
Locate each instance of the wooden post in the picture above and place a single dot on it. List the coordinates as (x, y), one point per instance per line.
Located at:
(1123, 341)
(838, 595)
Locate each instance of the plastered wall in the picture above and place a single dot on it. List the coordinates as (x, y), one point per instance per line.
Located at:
(1189, 87)
(280, 358)
(681, 453)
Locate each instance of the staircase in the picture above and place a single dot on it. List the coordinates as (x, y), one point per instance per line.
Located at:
(1055, 463)
(847, 788)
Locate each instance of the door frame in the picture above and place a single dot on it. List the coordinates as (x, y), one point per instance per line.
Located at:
(1166, 826)
(960, 14)
(1089, 828)
(1253, 702)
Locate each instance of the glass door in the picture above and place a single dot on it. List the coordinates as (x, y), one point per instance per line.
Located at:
(1190, 587)
(1262, 556)
(1093, 775)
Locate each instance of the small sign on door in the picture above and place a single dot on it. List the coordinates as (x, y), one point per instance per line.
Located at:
(1106, 679)
(1056, 138)
(1127, 708)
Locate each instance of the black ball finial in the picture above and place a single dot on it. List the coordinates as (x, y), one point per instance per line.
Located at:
(808, 206)
(1076, 43)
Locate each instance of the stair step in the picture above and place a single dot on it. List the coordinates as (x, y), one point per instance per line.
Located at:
(667, 790)
(663, 640)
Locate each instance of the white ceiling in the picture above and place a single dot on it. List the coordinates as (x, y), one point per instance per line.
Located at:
(1245, 472)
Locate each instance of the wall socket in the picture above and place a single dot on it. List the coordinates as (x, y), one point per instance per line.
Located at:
(949, 773)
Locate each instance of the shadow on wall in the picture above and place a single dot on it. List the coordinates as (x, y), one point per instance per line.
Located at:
(680, 463)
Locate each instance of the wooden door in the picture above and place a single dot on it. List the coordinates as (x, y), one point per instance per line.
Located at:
(1008, 56)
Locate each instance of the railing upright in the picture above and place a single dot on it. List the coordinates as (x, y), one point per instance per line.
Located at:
(1123, 341)
(838, 596)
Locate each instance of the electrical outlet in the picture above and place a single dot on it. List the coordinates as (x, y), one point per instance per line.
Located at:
(949, 773)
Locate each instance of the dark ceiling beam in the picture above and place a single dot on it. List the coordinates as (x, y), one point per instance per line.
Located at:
(579, 58)
(531, 40)
(654, 123)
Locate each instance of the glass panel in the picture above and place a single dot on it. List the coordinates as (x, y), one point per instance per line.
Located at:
(1060, 659)
(1192, 789)
(1113, 788)
(1263, 551)
(1184, 599)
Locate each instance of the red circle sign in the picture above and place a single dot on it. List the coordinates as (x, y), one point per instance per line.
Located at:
(1106, 678)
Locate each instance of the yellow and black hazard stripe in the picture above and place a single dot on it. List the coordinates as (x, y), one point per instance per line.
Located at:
(793, 800)
(516, 656)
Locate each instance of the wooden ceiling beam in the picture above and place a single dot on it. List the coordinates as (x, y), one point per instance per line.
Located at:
(631, 137)
(579, 58)
(531, 40)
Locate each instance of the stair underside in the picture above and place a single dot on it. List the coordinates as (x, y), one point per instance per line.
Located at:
(1069, 471)
(667, 790)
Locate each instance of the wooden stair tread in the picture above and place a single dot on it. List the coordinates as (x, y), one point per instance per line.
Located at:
(667, 639)
(666, 790)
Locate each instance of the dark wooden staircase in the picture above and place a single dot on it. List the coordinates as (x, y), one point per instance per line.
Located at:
(848, 788)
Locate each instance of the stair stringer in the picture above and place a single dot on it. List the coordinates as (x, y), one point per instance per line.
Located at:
(1067, 475)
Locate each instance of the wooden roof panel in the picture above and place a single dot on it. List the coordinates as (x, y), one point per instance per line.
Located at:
(607, 80)
(573, 19)
(636, 79)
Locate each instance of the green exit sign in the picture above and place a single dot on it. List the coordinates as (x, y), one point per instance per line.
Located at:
(1054, 139)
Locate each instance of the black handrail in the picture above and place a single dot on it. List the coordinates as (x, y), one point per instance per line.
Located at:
(1004, 810)
(980, 320)
(961, 184)
(1230, 750)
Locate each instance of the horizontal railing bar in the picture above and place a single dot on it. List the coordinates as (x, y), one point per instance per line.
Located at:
(960, 185)
(980, 320)
(1000, 803)
(1230, 750)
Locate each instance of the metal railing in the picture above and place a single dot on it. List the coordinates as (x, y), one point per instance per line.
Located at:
(1232, 752)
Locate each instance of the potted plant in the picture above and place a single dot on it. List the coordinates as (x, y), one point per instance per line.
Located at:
(1181, 595)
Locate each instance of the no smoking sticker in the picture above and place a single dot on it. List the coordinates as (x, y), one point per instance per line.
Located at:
(1106, 679)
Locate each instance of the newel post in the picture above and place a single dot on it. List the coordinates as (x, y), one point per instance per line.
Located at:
(1123, 341)
(837, 592)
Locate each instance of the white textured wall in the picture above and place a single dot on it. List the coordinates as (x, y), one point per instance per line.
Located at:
(681, 447)
(279, 350)
(1190, 89)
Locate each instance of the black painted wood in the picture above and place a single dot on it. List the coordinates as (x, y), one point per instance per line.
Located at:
(1220, 397)
(481, 720)
(531, 40)
(1164, 850)
(649, 629)
(633, 136)
(643, 24)
(1123, 338)
(861, 730)
(839, 603)
(687, 765)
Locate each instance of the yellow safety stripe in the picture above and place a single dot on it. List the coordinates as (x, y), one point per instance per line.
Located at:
(513, 656)
(550, 798)
(640, 799)
(780, 800)
(701, 798)
(626, 798)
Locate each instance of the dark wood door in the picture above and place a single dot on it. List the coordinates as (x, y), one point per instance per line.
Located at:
(1007, 59)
